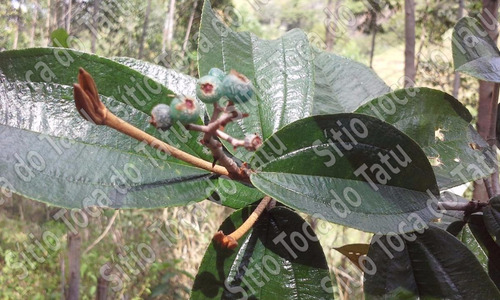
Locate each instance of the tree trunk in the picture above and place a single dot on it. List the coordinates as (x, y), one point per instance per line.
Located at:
(18, 27)
(330, 26)
(47, 24)
(95, 13)
(74, 245)
(374, 35)
(68, 15)
(456, 79)
(168, 28)
(55, 16)
(410, 72)
(188, 30)
(63, 276)
(488, 102)
(144, 29)
(34, 24)
(103, 284)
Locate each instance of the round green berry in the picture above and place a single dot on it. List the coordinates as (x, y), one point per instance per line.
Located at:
(209, 89)
(184, 109)
(237, 87)
(217, 73)
(160, 117)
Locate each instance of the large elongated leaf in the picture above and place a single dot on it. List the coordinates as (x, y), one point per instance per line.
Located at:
(280, 258)
(342, 85)
(434, 265)
(281, 71)
(351, 169)
(40, 124)
(474, 52)
(441, 126)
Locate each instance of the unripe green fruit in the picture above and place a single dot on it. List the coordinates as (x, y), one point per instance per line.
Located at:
(217, 73)
(237, 87)
(209, 89)
(184, 109)
(160, 117)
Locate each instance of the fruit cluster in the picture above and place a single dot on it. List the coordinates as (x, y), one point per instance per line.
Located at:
(211, 88)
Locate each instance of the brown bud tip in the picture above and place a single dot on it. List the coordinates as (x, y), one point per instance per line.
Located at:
(252, 142)
(225, 241)
(87, 99)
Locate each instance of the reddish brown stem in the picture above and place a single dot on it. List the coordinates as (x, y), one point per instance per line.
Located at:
(230, 241)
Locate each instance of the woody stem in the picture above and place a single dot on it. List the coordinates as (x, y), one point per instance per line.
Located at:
(128, 129)
(230, 241)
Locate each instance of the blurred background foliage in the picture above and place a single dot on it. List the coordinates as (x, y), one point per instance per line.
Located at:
(165, 32)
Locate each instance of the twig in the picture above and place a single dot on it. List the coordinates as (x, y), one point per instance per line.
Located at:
(230, 241)
(233, 141)
(103, 234)
(219, 119)
(468, 208)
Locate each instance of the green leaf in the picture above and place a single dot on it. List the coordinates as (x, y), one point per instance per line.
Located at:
(467, 237)
(342, 85)
(234, 194)
(441, 127)
(281, 71)
(474, 52)
(59, 38)
(40, 167)
(45, 142)
(477, 226)
(280, 258)
(332, 165)
(430, 265)
(492, 218)
(178, 83)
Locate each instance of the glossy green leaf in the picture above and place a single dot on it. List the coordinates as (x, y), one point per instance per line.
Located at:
(492, 218)
(351, 169)
(474, 52)
(178, 83)
(45, 142)
(342, 85)
(234, 194)
(430, 265)
(281, 71)
(280, 258)
(477, 226)
(441, 127)
(467, 237)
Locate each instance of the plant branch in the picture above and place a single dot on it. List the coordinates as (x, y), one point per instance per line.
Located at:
(103, 234)
(469, 207)
(220, 118)
(230, 241)
(91, 108)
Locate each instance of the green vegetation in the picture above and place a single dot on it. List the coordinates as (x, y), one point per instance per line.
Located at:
(315, 142)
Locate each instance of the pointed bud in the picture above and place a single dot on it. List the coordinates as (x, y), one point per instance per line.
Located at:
(87, 100)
